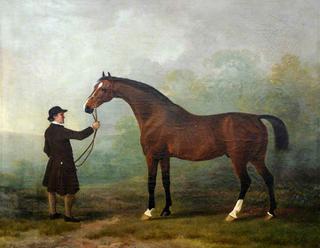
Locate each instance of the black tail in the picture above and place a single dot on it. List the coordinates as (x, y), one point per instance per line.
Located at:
(280, 131)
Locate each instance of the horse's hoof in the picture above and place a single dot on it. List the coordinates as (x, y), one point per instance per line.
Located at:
(165, 213)
(269, 217)
(145, 217)
(229, 218)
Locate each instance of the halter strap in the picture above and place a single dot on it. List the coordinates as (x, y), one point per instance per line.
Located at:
(90, 146)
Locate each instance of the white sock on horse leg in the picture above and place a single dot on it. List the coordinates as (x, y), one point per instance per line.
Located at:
(237, 208)
(148, 212)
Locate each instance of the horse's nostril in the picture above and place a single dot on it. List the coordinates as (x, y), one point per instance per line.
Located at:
(88, 110)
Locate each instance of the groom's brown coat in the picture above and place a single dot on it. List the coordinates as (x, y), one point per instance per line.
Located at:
(60, 175)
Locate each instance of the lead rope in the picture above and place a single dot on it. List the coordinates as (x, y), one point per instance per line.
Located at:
(90, 146)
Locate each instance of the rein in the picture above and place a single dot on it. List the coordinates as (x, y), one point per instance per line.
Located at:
(90, 146)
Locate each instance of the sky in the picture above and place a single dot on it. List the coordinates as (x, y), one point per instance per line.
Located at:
(53, 52)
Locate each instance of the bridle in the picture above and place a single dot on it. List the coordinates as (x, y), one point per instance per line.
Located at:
(90, 146)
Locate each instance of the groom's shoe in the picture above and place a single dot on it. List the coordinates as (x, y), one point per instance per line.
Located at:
(71, 219)
(55, 216)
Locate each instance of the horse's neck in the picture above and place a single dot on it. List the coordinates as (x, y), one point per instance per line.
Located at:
(144, 103)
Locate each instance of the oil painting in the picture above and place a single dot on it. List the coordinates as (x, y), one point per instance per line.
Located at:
(159, 123)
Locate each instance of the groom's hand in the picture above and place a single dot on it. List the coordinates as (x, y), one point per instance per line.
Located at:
(96, 125)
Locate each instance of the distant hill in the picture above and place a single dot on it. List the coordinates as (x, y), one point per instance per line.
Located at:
(18, 146)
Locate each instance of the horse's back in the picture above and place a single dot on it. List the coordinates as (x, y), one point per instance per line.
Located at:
(198, 137)
(207, 137)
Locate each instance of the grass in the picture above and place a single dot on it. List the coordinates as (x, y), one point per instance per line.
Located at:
(295, 229)
(199, 212)
(200, 204)
(212, 229)
(14, 227)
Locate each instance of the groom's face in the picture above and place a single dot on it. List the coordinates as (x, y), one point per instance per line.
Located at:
(59, 117)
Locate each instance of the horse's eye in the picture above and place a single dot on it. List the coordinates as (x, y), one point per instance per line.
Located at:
(104, 90)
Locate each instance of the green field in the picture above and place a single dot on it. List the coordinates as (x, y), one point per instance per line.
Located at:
(197, 220)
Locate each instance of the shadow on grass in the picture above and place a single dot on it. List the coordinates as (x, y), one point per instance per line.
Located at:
(188, 214)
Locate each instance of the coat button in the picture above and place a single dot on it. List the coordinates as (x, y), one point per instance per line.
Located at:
(61, 163)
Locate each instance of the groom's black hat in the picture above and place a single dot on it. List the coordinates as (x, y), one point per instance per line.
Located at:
(55, 110)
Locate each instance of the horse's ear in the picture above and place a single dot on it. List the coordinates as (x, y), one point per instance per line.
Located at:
(109, 75)
(103, 74)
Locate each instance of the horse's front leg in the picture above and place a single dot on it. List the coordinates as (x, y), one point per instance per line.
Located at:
(165, 168)
(152, 176)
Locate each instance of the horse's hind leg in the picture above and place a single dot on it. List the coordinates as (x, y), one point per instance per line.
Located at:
(165, 168)
(268, 178)
(240, 168)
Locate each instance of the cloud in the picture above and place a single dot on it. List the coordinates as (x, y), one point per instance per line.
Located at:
(53, 51)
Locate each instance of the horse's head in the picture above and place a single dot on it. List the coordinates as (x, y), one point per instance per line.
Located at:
(102, 92)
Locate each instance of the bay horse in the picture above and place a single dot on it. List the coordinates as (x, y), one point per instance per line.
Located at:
(167, 130)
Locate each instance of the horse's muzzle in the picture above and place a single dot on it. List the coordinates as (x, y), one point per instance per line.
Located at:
(88, 110)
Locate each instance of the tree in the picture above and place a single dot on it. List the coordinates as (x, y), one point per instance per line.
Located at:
(184, 88)
(232, 77)
(298, 81)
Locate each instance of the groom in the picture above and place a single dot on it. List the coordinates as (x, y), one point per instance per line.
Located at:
(60, 175)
